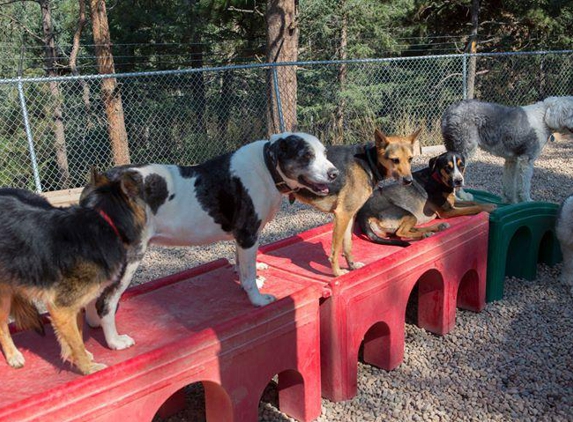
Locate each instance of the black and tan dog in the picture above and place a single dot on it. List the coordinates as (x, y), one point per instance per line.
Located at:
(397, 210)
(362, 168)
(64, 257)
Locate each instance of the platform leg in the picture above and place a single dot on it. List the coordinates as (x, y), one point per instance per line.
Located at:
(437, 304)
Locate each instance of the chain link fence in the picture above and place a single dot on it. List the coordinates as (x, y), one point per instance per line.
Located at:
(54, 129)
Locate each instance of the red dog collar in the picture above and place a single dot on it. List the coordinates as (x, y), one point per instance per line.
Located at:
(109, 221)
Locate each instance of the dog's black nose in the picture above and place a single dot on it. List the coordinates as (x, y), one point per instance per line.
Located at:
(458, 182)
(332, 174)
(407, 181)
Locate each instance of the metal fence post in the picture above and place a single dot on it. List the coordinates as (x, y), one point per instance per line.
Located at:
(278, 97)
(465, 75)
(29, 136)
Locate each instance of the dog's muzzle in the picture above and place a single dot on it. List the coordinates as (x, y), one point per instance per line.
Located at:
(407, 181)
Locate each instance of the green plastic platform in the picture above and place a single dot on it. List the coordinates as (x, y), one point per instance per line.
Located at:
(520, 236)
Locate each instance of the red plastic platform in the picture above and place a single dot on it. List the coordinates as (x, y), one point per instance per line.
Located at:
(196, 326)
(370, 303)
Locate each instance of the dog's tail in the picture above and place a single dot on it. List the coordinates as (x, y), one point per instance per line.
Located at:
(367, 230)
(26, 314)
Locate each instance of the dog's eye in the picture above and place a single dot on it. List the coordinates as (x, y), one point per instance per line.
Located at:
(396, 160)
(410, 159)
(308, 156)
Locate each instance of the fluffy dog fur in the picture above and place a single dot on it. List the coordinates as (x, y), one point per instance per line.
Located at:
(564, 231)
(517, 134)
(397, 209)
(361, 167)
(65, 257)
(230, 197)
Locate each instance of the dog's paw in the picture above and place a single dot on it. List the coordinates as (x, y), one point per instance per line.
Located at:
(121, 342)
(443, 226)
(489, 207)
(261, 266)
(339, 272)
(262, 299)
(90, 354)
(428, 234)
(16, 360)
(95, 367)
(464, 196)
(260, 281)
(356, 265)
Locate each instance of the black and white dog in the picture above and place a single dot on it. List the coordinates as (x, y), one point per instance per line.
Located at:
(230, 197)
(517, 134)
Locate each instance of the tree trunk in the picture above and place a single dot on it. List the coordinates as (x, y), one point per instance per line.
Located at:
(74, 59)
(342, 74)
(472, 49)
(50, 54)
(110, 92)
(196, 56)
(282, 46)
(225, 108)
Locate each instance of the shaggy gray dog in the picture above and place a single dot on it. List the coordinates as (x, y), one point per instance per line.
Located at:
(517, 134)
(564, 231)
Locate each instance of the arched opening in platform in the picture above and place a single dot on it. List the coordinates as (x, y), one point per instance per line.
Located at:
(549, 251)
(518, 253)
(377, 347)
(468, 296)
(199, 401)
(285, 391)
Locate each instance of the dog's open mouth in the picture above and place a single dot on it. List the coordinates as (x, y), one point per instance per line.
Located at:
(318, 188)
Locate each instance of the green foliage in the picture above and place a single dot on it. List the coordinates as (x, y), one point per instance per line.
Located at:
(190, 118)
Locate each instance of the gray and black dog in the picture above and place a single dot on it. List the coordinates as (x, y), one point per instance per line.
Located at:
(517, 134)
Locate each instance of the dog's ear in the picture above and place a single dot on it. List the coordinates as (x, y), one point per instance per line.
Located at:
(380, 139)
(131, 184)
(97, 178)
(432, 163)
(283, 144)
(414, 135)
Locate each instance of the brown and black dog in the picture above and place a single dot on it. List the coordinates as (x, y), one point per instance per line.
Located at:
(362, 168)
(65, 257)
(396, 210)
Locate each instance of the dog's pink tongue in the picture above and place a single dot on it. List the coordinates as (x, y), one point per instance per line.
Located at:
(322, 188)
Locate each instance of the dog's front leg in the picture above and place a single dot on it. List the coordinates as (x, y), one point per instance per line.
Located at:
(347, 247)
(261, 266)
(341, 221)
(248, 275)
(106, 307)
(524, 174)
(509, 181)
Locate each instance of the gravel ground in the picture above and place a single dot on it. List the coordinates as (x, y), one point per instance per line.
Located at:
(511, 362)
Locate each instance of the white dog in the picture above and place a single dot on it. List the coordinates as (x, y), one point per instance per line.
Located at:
(564, 229)
(517, 134)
